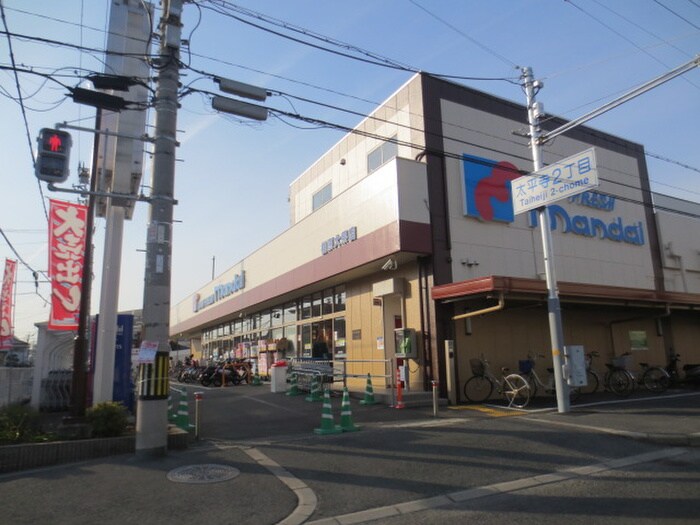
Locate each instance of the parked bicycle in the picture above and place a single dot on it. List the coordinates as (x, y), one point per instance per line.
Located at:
(479, 387)
(593, 380)
(622, 381)
(617, 380)
(527, 370)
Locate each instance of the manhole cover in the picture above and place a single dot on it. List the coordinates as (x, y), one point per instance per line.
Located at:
(203, 474)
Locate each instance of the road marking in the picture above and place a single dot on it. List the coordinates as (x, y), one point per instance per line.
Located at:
(490, 410)
(504, 487)
(439, 422)
(306, 497)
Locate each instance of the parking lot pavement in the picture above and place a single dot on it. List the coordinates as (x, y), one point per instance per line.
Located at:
(260, 462)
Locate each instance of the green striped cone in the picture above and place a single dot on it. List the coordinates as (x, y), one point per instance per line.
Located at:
(315, 393)
(171, 411)
(182, 418)
(369, 393)
(294, 386)
(346, 424)
(327, 424)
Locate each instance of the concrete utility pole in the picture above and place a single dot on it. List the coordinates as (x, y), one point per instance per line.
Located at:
(537, 138)
(152, 409)
(556, 332)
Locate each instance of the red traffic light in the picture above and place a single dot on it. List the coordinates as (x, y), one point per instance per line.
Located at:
(54, 141)
(53, 156)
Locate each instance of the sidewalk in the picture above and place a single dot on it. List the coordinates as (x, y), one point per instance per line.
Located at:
(672, 419)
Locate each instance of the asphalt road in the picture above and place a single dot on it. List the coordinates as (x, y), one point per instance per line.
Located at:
(481, 464)
(406, 456)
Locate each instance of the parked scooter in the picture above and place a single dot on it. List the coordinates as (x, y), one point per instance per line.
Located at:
(215, 375)
(189, 374)
(691, 372)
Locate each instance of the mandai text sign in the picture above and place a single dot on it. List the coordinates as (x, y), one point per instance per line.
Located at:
(221, 291)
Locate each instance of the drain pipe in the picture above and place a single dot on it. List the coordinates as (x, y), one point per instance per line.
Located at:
(501, 304)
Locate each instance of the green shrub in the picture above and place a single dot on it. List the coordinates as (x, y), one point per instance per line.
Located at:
(18, 424)
(108, 419)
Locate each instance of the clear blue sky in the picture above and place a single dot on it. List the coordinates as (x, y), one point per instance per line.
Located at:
(233, 179)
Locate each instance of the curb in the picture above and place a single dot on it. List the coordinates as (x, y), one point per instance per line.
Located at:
(658, 438)
(27, 456)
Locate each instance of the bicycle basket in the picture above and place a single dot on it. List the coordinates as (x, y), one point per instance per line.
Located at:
(622, 361)
(525, 366)
(477, 366)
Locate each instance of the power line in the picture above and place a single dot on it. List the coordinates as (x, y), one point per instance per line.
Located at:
(24, 111)
(462, 33)
(629, 40)
(678, 15)
(642, 28)
(393, 139)
(372, 58)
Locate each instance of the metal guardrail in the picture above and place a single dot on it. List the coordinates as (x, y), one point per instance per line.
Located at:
(334, 371)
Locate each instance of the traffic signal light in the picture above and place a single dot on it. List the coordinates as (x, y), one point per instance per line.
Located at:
(52, 161)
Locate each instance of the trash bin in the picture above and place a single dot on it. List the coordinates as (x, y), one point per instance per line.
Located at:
(278, 377)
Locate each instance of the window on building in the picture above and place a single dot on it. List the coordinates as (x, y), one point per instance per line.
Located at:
(339, 299)
(277, 319)
(290, 313)
(322, 196)
(339, 336)
(290, 332)
(381, 154)
(265, 320)
(327, 302)
(306, 340)
(306, 307)
(316, 305)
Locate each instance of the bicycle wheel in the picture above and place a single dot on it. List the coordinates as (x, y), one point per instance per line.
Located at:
(656, 379)
(621, 383)
(593, 383)
(516, 390)
(531, 382)
(478, 389)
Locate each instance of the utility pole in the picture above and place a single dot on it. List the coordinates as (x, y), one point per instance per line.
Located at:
(537, 138)
(152, 409)
(556, 332)
(79, 382)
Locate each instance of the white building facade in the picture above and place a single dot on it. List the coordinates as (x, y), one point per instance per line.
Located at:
(407, 222)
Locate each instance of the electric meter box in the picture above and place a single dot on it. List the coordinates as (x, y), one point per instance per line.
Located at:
(575, 365)
(405, 339)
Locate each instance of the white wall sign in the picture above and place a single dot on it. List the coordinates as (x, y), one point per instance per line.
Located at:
(557, 181)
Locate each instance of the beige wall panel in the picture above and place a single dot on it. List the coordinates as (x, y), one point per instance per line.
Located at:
(394, 118)
(686, 334)
(680, 241)
(368, 205)
(509, 336)
(512, 249)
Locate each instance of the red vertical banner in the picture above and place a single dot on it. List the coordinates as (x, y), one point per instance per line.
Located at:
(67, 222)
(8, 283)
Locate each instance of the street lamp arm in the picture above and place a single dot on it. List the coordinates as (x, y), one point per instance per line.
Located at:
(547, 136)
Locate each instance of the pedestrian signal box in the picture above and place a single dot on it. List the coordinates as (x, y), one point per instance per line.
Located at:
(53, 156)
(405, 339)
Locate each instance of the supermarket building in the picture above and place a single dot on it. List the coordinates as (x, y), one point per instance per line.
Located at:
(406, 223)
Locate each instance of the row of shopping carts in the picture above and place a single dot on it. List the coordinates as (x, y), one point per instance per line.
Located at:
(56, 390)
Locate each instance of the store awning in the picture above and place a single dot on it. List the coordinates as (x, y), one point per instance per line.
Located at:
(536, 289)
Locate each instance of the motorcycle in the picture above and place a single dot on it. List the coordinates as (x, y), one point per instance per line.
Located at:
(188, 375)
(691, 372)
(215, 374)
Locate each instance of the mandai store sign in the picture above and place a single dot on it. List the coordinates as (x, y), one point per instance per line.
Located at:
(614, 230)
(221, 291)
